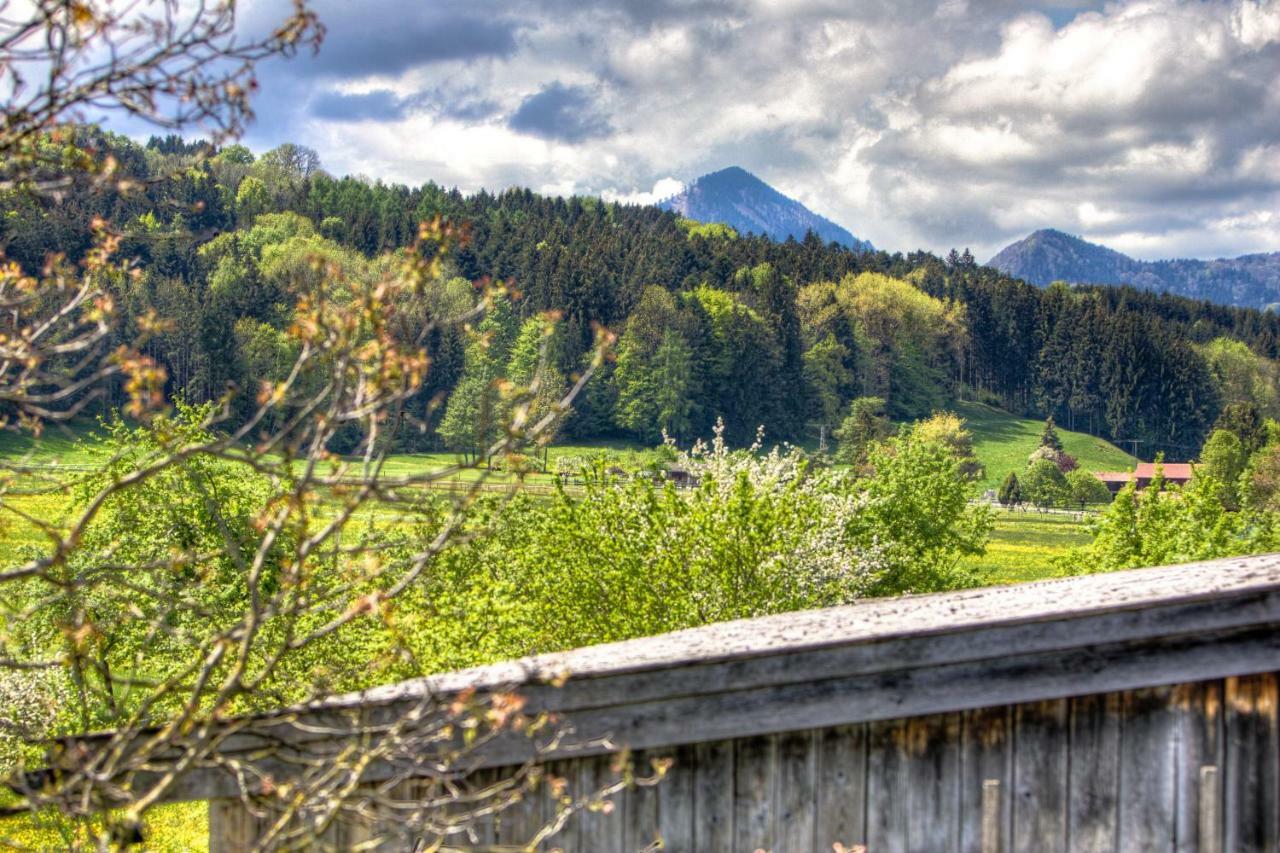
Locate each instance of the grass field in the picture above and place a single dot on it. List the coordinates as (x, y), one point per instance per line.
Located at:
(1023, 546)
(1003, 442)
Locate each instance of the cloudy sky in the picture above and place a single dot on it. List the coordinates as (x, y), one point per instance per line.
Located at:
(1151, 126)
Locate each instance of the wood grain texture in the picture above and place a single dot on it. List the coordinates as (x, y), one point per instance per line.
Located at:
(600, 827)
(887, 817)
(677, 801)
(841, 797)
(1252, 785)
(1094, 781)
(1040, 768)
(754, 803)
(795, 792)
(986, 755)
(1199, 743)
(933, 782)
(1148, 772)
(713, 798)
(641, 827)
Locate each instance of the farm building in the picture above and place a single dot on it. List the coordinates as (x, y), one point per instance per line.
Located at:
(1175, 473)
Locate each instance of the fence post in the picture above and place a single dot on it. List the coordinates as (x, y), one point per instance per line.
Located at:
(990, 816)
(1210, 810)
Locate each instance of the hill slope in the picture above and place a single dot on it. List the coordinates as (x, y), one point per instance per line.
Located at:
(1047, 255)
(738, 198)
(1002, 442)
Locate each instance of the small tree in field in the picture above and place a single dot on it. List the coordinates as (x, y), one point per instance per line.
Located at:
(1010, 493)
(1049, 437)
(1084, 488)
(1043, 484)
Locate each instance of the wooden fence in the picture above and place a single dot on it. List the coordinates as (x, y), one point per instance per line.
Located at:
(1130, 711)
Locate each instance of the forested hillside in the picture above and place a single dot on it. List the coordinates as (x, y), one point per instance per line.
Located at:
(710, 324)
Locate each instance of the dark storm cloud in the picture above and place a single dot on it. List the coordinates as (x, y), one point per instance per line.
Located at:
(380, 105)
(562, 113)
(385, 105)
(378, 45)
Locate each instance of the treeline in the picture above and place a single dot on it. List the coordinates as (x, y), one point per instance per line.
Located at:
(711, 324)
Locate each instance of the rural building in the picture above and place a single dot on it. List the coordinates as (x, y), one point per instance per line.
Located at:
(1175, 473)
(1134, 710)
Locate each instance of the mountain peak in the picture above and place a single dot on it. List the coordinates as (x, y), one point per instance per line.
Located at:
(1049, 255)
(743, 201)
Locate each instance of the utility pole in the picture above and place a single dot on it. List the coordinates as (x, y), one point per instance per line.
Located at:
(1134, 441)
(822, 435)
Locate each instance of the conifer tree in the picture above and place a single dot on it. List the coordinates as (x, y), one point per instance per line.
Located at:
(1010, 492)
(1049, 438)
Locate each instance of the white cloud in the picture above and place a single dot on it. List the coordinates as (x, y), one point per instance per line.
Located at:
(664, 189)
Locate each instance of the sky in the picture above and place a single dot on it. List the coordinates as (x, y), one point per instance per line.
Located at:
(1151, 126)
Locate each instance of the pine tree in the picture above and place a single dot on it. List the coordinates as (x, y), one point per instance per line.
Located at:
(1010, 492)
(1049, 438)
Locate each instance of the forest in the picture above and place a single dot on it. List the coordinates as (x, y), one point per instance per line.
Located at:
(710, 325)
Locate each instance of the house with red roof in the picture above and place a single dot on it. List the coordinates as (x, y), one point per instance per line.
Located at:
(1175, 473)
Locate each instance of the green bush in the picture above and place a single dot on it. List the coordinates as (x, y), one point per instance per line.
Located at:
(756, 534)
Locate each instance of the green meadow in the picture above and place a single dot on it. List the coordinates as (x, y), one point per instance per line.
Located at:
(1003, 442)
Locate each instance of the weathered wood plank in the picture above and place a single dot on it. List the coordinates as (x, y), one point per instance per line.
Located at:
(713, 798)
(842, 787)
(1198, 711)
(1040, 777)
(1252, 803)
(561, 788)
(484, 830)
(232, 828)
(520, 822)
(933, 782)
(640, 823)
(887, 818)
(601, 825)
(795, 792)
(1148, 772)
(1094, 781)
(755, 765)
(676, 801)
(986, 755)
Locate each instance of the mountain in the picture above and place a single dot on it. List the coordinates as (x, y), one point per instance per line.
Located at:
(738, 198)
(1044, 256)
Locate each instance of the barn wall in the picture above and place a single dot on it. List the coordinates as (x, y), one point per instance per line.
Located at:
(1190, 767)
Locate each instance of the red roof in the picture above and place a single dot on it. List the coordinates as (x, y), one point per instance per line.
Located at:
(1179, 471)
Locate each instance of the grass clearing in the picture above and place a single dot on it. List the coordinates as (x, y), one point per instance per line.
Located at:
(1003, 442)
(1023, 546)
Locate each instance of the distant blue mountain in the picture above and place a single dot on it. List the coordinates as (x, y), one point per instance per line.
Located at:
(1048, 255)
(739, 199)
